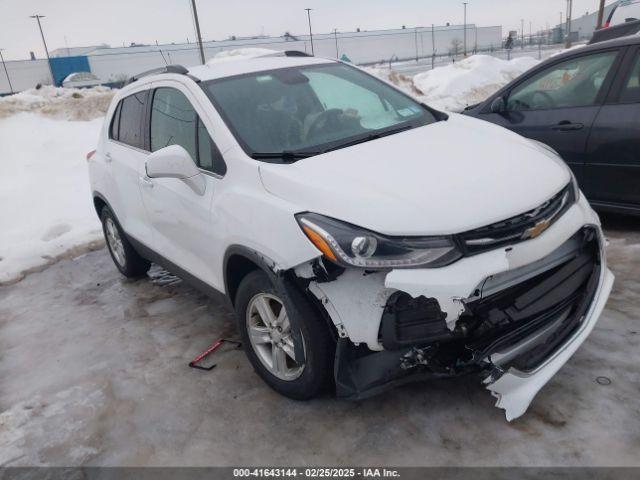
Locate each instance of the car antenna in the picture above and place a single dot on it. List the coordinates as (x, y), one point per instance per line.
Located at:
(162, 54)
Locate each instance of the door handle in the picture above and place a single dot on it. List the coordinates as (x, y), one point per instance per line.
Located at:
(146, 181)
(567, 126)
(107, 157)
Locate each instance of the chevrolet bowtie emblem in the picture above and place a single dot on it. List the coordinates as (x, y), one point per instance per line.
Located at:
(536, 230)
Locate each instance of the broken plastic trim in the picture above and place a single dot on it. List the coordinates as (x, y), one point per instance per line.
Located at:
(534, 319)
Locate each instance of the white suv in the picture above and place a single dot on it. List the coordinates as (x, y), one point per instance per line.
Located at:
(364, 239)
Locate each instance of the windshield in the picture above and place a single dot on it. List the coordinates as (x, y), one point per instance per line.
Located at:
(311, 109)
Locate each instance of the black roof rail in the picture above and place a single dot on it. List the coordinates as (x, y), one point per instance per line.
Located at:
(296, 53)
(179, 69)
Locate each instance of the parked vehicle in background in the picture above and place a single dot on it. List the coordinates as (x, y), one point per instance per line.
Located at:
(81, 80)
(624, 11)
(585, 104)
(364, 239)
(617, 31)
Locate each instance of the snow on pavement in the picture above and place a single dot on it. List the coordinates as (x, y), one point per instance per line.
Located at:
(45, 200)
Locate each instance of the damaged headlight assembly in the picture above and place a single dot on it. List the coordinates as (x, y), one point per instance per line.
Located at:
(352, 246)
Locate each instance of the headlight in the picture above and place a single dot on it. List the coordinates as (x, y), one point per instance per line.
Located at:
(352, 246)
(575, 188)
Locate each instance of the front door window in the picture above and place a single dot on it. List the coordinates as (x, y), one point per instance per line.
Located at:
(573, 83)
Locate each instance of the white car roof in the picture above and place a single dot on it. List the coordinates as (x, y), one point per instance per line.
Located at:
(221, 69)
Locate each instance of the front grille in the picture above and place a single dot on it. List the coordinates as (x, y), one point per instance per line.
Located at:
(519, 228)
(556, 299)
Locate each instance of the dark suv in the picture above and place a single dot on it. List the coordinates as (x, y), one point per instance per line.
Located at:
(585, 103)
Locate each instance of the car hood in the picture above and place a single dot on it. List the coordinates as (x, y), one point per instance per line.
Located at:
(443, 178)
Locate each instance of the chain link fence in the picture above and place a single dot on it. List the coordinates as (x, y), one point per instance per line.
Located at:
(426, 46)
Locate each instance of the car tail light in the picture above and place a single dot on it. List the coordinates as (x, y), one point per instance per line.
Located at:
(90, 154)
(607, 25)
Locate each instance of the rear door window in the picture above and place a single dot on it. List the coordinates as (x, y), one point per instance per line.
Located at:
(132, 114)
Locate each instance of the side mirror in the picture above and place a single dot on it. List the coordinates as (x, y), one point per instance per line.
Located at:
(175, 162)
(498, 105)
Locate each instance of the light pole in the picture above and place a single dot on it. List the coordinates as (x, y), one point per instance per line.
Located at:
(197, 23)
(433, 46)
(5, 71)
(569, 14)
(465, 27)
(600, 15)
(310, 32)
(522, 33)
(38, 17)
(335, 36)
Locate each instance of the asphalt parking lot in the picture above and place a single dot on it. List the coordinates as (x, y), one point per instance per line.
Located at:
(94, 372)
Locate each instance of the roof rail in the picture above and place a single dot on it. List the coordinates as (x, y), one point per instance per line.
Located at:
(296, 53)
(179, 69)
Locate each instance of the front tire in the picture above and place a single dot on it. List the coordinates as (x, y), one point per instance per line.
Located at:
(126, 259)
(270, 323)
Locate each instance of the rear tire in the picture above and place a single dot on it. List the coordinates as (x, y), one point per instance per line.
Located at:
(270, 344)
(126, 259)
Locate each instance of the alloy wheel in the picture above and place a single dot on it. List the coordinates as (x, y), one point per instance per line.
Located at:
(115, 242)
(270, 335)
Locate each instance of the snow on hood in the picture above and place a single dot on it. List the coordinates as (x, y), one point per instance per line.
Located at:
(469, 81)
(239, 54)
(443, 178)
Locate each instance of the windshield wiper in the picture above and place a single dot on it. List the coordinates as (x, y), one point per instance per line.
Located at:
(292, 156)
(286, 156)
(369, 137)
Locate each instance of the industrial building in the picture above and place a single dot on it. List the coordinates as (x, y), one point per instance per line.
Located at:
(113, 65)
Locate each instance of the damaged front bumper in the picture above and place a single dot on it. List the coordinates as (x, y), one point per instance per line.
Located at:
(513, 315)
(516, 389)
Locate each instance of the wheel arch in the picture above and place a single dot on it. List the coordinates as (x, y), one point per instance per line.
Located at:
(240, 261)
(99, 202)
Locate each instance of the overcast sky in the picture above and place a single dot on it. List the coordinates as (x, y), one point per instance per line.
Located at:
(91, 22)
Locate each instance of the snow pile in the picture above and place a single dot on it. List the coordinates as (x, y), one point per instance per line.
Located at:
(240, 54)
(469, 81)
(46, 209)
(399, 80)
(58, 102)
